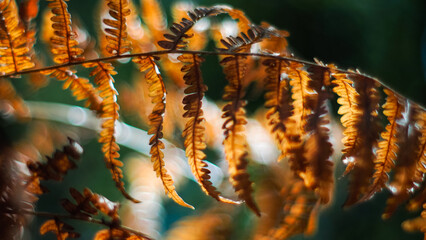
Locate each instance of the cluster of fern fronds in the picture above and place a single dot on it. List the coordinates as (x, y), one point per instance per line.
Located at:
(297, 94)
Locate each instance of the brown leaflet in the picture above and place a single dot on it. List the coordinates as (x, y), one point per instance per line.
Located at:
(278, 100)
(157, 92)
(388, 146)
(194, 132)
(109, 113)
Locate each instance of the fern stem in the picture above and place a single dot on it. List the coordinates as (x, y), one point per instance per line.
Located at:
(216, 53)
(89, 220)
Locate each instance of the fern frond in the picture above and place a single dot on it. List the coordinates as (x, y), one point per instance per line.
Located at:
(117, 30)
(64, 43)
(194, 132)
(366, 124)
(14, 51)
(388, 147)
(103, 73)
(235, 120)
(81, 88)
(348, 101)
(407, 177)
(180, 30)
(278, 100)
(300, 83)
(318, 149)
(157, 92)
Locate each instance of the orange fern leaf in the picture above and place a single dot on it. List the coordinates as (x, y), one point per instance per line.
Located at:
(14, 51)
(61, 229)
(117, 38)
(278, 101)
(408, 171)
(194, 135)
(388, 147)
(366, 124)
(348, 102)
(157, 93)
(317, 148)
(64, 43)
(300, 82)
(235, 120)
(109, 113)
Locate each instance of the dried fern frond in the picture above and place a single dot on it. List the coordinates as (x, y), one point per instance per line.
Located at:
(388, 146)
(408, 174)
(157, 92)
(117, 30)
(277, 99)
(317, 148)
(103, 73)
(14, 51)
(64, 43)
(235, 120)
(301, 90)
(180, 30)
(194, 133)
(366, 125)
(348, 100)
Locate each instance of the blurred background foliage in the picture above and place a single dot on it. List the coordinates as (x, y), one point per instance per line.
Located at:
(383, 38)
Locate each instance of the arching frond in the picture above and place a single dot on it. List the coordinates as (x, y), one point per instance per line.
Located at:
(348, 98)
(408, 173)
(366, 125)
(14, 51)
(117, 29)
(194, 132)
(235, 120)
(278, 100)
(157, 93)
(103, 73)
(388, 146)
(317, 148)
